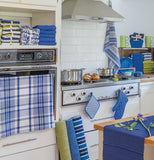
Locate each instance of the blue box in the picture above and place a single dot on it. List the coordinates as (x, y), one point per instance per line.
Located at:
(136, 44)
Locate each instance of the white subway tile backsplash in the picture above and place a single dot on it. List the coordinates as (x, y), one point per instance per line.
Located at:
(82, 45)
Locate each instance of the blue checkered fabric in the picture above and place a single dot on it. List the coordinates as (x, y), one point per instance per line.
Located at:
(80, 136)
(26, 104)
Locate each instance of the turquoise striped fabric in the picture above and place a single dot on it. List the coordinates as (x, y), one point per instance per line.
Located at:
(80, 135)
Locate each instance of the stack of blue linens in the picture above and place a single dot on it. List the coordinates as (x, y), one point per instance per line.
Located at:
(137, 59)
(29, 36)
(47, 34)
(10, 32)
(147, 56)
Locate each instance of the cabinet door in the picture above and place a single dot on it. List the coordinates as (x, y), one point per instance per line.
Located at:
(40, 2)
(46, 153)
(147, 96)
(11, 1)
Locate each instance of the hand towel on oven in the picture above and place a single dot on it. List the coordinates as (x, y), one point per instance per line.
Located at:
(80, 136)
(26, 104)
(110, 47)
(119, 107)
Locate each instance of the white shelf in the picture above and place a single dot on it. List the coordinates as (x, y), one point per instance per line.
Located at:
(26, 47)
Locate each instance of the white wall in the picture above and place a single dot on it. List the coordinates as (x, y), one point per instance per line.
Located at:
(138, 14)
(82, 45)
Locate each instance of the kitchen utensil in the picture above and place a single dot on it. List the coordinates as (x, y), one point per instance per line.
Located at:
(105, 72)
(71, 75)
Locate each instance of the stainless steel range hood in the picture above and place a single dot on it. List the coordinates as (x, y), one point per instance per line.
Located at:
(89, 10)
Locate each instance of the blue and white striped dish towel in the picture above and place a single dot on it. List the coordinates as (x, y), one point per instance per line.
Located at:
(110, 47)
(81, 139)
(26, 104)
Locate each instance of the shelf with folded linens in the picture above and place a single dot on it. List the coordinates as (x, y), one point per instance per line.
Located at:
(142, 58)
(126, 52)
(38, 33)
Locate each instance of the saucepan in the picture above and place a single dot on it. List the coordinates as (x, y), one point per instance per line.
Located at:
(72, 75)
(105, 72)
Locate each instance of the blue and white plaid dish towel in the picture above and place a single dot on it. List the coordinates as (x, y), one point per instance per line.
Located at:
(26, 104)
(110, 47)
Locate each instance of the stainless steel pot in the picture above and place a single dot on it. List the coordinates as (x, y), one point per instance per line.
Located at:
(72, 75)
(105, 72)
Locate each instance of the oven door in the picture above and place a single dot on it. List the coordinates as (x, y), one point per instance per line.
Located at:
(32, 70)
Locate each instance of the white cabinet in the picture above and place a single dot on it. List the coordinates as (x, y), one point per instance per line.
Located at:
(45, 153)
(147, 97)
(11, 1)
(40, 2)
(92, 144)
(132, 107)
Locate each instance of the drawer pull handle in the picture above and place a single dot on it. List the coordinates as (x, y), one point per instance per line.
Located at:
(94, 145)
(10, 144)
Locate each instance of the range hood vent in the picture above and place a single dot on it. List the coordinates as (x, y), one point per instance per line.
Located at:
(89, 10)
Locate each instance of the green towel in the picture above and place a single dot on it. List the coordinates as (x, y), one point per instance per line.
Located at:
(62, 140)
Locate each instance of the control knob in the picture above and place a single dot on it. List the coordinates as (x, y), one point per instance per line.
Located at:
(83, 93)
(123, 88)
(78, 98)
(73, 95)
(127, 92)
(131, 87)
(8, 56)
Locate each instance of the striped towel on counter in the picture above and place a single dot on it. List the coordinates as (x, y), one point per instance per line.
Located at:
(26, 104)
(110, 47)
(80, 135)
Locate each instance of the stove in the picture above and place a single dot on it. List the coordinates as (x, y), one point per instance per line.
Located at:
(103, 89)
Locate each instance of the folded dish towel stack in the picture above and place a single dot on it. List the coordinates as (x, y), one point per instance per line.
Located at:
(29, 36)
(10, 32)
(147, 56)
(47, 34)
(148, 66)
(137, 59)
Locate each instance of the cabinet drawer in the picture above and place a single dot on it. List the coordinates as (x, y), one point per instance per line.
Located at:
(11, 1)
(26, 141)
(46, 153)
(40, 2)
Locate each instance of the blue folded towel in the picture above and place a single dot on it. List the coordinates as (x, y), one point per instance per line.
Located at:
(121, 144)
(47, 32)
(47, 35)
(46, 39)
(119, 107)
(46, 27)
(48, 43)
(7, 21)
(74, 148)
(137, 59)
